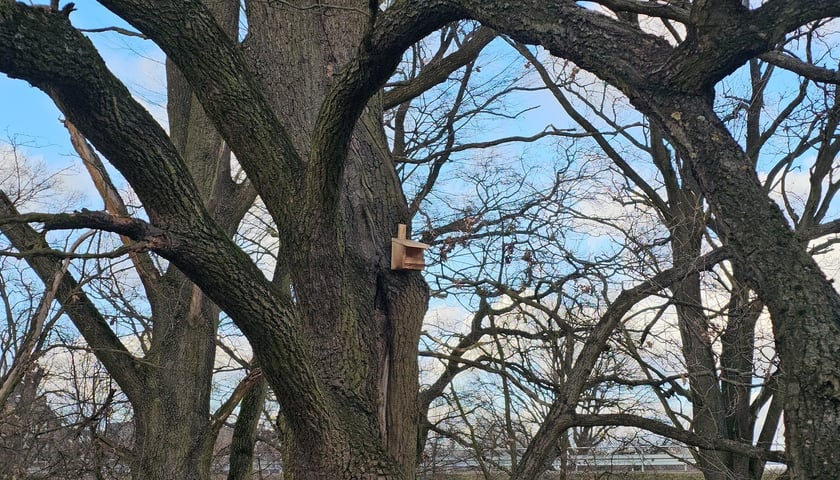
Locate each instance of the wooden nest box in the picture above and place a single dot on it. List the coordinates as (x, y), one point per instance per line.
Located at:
(406, 254)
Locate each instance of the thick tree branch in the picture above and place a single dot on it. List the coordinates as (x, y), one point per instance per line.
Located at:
(817, 231)
(807, 70)
(130, 227)
(45, 50)
(702, 12)
(245, 432)
(723, 35)
(188, 33)
(544, 441)
(649, 8)
(720, 40)
(396, 29)
(438, 70)
(563, 29)
(779, 17)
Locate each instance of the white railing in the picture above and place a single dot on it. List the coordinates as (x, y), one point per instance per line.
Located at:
(672, 459)
(661, 458)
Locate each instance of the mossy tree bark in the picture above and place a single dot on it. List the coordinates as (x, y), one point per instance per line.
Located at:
(169, 387)
(296, 101)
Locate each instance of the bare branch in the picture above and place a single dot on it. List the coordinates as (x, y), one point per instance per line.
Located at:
(556, 421)
(120, 30)
(113, 201)
(25, 353)
(87, 318)
(649, 8)
(438, 70)
(130, 227)
(598, 135)
(807, 70)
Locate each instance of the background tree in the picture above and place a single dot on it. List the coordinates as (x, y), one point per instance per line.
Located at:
(719, 342)
(475, 251)
(50, 422)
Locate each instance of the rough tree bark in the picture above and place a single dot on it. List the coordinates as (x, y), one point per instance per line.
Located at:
(171, 403)
(245, 431)
(673, 87)
(337, 343)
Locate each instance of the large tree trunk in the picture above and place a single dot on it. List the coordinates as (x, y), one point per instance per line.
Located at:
(339, 344)
(173, 435)
(361, 319)
(171, 421)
